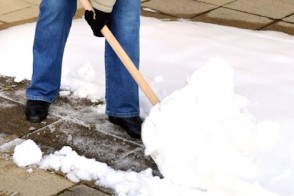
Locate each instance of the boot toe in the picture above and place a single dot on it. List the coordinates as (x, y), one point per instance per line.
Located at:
(131, 125)
(36, 111)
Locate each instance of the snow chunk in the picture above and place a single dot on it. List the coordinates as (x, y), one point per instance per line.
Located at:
(27, 153)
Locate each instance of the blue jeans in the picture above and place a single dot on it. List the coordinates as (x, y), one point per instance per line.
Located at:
(53, 26)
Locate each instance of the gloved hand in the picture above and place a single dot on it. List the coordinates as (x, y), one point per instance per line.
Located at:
(101, 19)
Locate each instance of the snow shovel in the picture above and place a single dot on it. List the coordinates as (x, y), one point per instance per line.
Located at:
(127, 62)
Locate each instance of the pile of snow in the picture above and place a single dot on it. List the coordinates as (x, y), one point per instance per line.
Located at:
(202, 136)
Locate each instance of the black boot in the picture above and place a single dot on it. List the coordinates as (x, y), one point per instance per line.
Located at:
(131, 125)
(36, 111)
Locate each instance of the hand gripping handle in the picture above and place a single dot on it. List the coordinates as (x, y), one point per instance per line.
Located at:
(122, 55)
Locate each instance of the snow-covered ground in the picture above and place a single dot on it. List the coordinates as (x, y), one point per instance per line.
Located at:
(224, 126)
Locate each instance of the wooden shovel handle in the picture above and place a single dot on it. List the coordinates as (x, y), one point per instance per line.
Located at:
(122, 55)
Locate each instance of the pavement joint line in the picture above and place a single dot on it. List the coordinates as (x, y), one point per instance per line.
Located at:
(250, 13)
(286, 22)
(287, 17)
(125, 155)
(67, 189)
(159, 12)
(9, 157)
(275, 22)
(82, 124)
(5, 97)
(40, 129)
(267, 25)
(183, 17)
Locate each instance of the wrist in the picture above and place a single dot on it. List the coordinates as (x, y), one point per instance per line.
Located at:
(105, 6)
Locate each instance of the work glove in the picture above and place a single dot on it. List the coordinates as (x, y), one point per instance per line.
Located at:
(97, 23)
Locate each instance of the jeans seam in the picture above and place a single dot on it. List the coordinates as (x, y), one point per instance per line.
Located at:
(122, 115)
(40, 98)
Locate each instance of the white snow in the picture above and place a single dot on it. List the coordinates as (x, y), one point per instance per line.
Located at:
(27, 153)
(225, 122)
(213, 143)
(79, 168)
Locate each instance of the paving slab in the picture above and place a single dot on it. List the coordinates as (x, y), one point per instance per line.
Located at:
(78, 109)
(36, 2)
(13, 121)
(228, 17)
(182, 9)
(268, 8)
(82, 190)
(13, 90)
(105, 190)
(19, 181)
(84, 111)
(117, 152)
(281, 27)
(24, 11)
(78, 121)
(154, 14)
(20, 15)
(287, 1)
(12, 5)
(289, 19)
(217, 2)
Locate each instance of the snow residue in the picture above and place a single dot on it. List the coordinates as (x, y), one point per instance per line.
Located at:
(149, 10)
(27, 153)
(83, 82)
(131, 183)
(9, 146)
(202, 136)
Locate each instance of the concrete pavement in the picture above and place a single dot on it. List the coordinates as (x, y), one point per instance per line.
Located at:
(277, 15)
(74, 122)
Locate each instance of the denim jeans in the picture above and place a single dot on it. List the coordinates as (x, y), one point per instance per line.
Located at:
(53, 26)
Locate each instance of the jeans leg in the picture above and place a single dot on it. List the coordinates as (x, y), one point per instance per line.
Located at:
(122, 97)
(51, 33)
